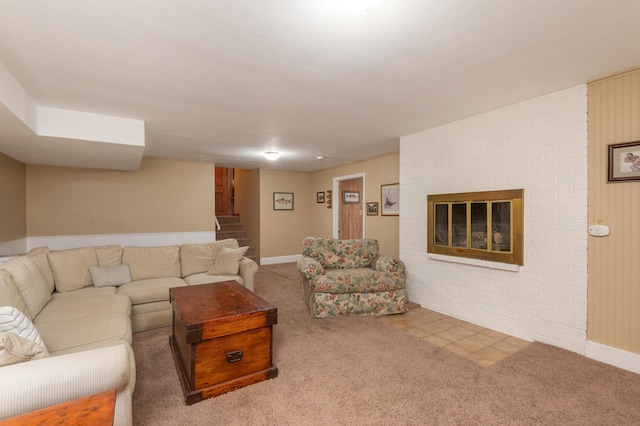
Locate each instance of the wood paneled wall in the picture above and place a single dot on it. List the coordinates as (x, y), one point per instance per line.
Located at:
(613, 273)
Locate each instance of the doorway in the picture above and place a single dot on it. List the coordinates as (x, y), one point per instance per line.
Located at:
(348, 215)
(224, 191)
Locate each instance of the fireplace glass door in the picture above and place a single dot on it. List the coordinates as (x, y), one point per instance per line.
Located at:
(482, 225)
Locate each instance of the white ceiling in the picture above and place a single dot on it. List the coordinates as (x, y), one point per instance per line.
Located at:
(225, 80)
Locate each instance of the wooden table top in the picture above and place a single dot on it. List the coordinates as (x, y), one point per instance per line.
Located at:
(94, 410)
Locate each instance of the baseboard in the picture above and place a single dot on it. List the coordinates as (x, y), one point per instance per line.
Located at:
(10, 248)
(613, 356)
(64, 242)
(279, 259)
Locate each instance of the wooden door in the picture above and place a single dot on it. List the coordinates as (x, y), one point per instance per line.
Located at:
(349, 208)
(224, 191)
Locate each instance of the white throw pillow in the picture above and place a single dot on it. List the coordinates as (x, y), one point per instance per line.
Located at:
(15, 349)
(14, 321)
(110, 275)
(228, 261)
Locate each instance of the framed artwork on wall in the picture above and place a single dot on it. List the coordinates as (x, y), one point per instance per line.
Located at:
(350, 197)
(372, 209)
(390, 199)
(624, 162)
(283, 200)
(319, 197)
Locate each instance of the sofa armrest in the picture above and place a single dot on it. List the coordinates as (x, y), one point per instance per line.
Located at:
(389, 264)
(309, 267)
(248, 269)
(37, 384)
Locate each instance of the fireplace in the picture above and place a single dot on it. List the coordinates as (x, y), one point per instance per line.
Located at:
(479, 225)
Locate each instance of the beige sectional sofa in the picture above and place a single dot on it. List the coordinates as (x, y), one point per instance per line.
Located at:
(86, 303)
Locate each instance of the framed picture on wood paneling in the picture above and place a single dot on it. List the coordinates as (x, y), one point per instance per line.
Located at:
(624, 162)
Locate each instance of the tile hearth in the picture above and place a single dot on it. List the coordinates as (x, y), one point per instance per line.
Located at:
(476, 343)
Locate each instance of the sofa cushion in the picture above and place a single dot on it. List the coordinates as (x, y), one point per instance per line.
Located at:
(115, 275)
(228, 261)
(83, 308)
(109, 255)
(197, 258)
(71, 268)
(39, 250)
(30, 283)
(152, 262)
(9, 294)
(15, 349)
(84, 292)
(358, 280)
(150, 290)
(14, 321)
(42, 263)
(204, 278)
(75, 335)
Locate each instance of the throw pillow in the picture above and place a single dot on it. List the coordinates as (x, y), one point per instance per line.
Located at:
(110, 275)
(228, 261)
(15, 349)
(14, 321)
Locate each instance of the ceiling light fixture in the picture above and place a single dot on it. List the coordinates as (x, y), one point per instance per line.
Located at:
(271, 155)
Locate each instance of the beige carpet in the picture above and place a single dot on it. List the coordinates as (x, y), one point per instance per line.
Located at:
(358, 371)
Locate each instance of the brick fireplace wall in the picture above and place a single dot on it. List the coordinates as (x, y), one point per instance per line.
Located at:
(539, 145)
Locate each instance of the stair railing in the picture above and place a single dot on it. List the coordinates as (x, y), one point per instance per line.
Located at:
(217, 223)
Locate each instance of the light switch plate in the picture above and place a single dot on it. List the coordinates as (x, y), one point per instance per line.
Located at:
(599, 230)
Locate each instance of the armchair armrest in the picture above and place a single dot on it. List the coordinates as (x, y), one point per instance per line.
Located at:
(309, 267)
(389, 264)
(248, 269)
(32, 385)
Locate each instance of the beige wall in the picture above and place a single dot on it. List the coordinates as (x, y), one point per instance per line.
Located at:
(163, 196)
(613, 290)
(247, 203)
(282, 231)
(13, 208)
(378, 171)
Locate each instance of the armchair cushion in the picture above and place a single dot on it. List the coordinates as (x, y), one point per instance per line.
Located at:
(340, 254)
(357, 280)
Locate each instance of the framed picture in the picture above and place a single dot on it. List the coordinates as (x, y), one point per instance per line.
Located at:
(319, 197)
(390, 199)
(372, 209)
(350, 197)
(283, 200)
(624, 162)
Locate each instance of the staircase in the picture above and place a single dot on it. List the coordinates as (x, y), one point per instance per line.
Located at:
(230, 227)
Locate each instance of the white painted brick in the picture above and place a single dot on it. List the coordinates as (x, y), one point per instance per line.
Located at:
(539, 145)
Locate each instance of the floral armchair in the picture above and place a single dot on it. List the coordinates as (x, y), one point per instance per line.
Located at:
(348, 277)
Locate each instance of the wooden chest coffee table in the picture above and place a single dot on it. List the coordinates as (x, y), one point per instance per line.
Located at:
(222, 338)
